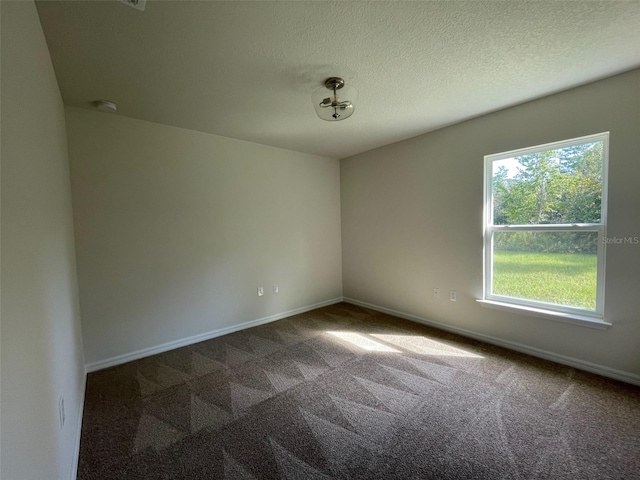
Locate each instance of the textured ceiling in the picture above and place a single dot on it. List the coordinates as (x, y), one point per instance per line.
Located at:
(247, 69)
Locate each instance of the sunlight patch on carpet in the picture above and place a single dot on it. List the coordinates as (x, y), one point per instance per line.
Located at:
(363, 342)
(424, 346)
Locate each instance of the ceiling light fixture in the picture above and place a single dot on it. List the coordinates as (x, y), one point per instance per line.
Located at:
(332, 108)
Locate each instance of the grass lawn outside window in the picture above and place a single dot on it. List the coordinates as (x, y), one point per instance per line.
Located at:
(559, 278)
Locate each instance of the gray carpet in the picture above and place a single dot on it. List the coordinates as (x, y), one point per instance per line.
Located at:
(345, 392)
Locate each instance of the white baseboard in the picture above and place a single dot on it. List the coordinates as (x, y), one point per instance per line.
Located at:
(613, 373)
(76, 448)
(146, 352)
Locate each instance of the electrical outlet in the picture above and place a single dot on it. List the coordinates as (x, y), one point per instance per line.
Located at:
(436, 293)
(260, 291)
(276, 289)
(453, 295)
(61, 411)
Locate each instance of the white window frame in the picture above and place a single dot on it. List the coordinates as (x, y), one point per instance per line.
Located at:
(594, 318)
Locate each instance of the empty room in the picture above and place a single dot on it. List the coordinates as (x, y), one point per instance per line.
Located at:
(320, 240)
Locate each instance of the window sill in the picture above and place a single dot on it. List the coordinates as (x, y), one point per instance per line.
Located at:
(571, 318)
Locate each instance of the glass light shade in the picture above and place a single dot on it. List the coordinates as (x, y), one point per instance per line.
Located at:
(345, 94)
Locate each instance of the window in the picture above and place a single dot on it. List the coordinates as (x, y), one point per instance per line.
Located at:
(544, 235)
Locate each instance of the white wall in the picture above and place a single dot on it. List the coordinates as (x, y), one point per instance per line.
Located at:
(40, 334)
(176, 229)
(412, 221)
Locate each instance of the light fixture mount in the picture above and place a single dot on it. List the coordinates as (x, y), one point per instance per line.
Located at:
(334, 83)
(334, 107)
(106, 106)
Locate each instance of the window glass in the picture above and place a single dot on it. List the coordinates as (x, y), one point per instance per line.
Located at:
(562, 185)
(545, 225)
